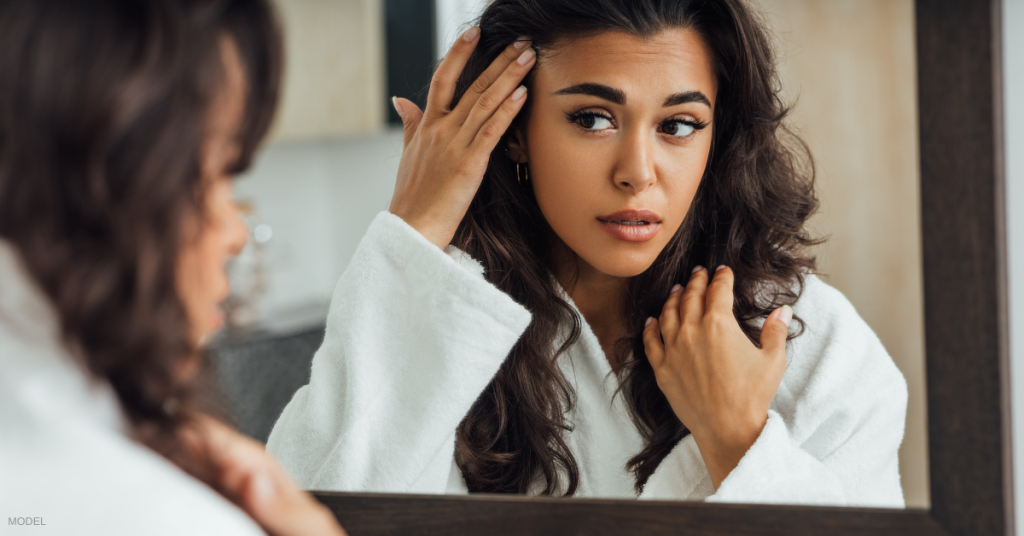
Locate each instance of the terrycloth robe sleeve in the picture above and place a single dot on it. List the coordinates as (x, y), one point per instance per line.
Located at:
(414, 335)
(834, 428)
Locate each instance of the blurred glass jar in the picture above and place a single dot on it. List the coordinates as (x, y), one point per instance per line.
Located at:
(248, 272)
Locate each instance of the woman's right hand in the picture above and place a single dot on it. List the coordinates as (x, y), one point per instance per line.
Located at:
(447, 150)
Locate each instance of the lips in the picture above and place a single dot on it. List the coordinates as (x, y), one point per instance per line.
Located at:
(631, 225)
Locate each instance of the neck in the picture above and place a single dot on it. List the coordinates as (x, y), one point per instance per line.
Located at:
(600, 298)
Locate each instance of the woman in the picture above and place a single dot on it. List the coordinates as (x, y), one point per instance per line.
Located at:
(529, 359)
(121, 124)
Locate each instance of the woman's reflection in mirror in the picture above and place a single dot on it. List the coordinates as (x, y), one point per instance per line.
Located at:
(121, 127)
(581, 163)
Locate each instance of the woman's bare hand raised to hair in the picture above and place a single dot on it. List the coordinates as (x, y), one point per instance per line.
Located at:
(447, 149)
(718, 383)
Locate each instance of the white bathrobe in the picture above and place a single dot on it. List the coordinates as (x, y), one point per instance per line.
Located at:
(414, 335)
(65, 458)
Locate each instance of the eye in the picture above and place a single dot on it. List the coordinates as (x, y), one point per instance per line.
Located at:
(679, 128)
(590, 120)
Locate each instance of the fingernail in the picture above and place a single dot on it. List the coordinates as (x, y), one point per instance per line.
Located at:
(696, 269)
(527, 56)
(263, 489)
(398, 107)
(786, 315)
(471, 34)
(649, 320)
(518, 93)
(521, 43)
(720, 266)
(676, 287)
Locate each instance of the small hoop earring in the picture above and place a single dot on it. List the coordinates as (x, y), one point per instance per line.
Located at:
(526, 171)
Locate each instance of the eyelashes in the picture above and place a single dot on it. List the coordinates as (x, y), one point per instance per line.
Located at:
(593, 121)
(588, 119)
(696, 125)
(681, 128)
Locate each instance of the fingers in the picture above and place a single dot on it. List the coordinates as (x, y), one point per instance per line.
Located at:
(411, 116)
(693, 297)
(499, 93)
(719, 293)
(442, 85)
(236, 459)
(653, 345)
(670, 312)
(491, 132)
(282, 509)
(776, 330)
(494, 72)
(264, 490)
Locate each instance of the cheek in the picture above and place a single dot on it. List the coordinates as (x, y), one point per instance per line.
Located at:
(202, 280)
(569, 174)
(681, 178)
(219, 243)
(213, 265)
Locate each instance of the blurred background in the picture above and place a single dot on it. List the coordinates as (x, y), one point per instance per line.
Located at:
(847, 67)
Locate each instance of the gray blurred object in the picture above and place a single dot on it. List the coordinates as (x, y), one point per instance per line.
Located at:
(258, 375)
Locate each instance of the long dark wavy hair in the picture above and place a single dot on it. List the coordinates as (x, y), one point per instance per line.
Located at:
(104, 107)
(748, 213)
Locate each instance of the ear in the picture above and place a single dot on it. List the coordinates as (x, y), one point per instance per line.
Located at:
(517, 151)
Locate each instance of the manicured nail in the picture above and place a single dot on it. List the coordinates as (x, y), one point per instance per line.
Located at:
(720, 266)
(263, 489)
(696, 269)
(649, 320)
(398, 107)
(521, 43)
(527, 56)
(676, 287)
(471, 34)
(518, 93)
(786, 315)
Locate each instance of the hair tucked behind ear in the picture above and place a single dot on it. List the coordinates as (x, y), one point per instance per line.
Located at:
(103, 111)
(749, 213)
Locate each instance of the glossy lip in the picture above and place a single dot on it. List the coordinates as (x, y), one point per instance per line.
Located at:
(631, 233)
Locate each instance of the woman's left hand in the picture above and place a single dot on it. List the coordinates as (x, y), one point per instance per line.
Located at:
(242, 470)
(718, 383)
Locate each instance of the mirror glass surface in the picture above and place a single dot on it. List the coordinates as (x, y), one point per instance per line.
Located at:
(846, 67)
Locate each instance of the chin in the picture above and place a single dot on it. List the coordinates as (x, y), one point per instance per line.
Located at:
(621, 264)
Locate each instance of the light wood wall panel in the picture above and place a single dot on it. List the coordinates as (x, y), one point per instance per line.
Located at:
(334, 72)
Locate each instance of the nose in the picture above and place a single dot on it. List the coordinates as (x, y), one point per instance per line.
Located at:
(636, 170)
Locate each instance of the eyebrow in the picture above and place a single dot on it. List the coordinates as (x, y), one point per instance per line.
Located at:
(617, 96)
(596, 90)
(687, 96)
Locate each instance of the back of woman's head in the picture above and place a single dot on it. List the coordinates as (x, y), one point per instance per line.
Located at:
(748, 212)
(104, 108)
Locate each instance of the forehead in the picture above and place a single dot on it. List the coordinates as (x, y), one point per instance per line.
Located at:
(673, 60)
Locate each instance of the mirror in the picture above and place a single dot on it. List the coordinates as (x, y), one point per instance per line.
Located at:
(848, 69)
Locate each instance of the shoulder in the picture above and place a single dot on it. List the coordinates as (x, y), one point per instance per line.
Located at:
(832, 328)
(828, 307)
(83, 479)
(837, 363)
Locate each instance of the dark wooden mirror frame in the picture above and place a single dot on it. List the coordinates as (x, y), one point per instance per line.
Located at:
(966, 341)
